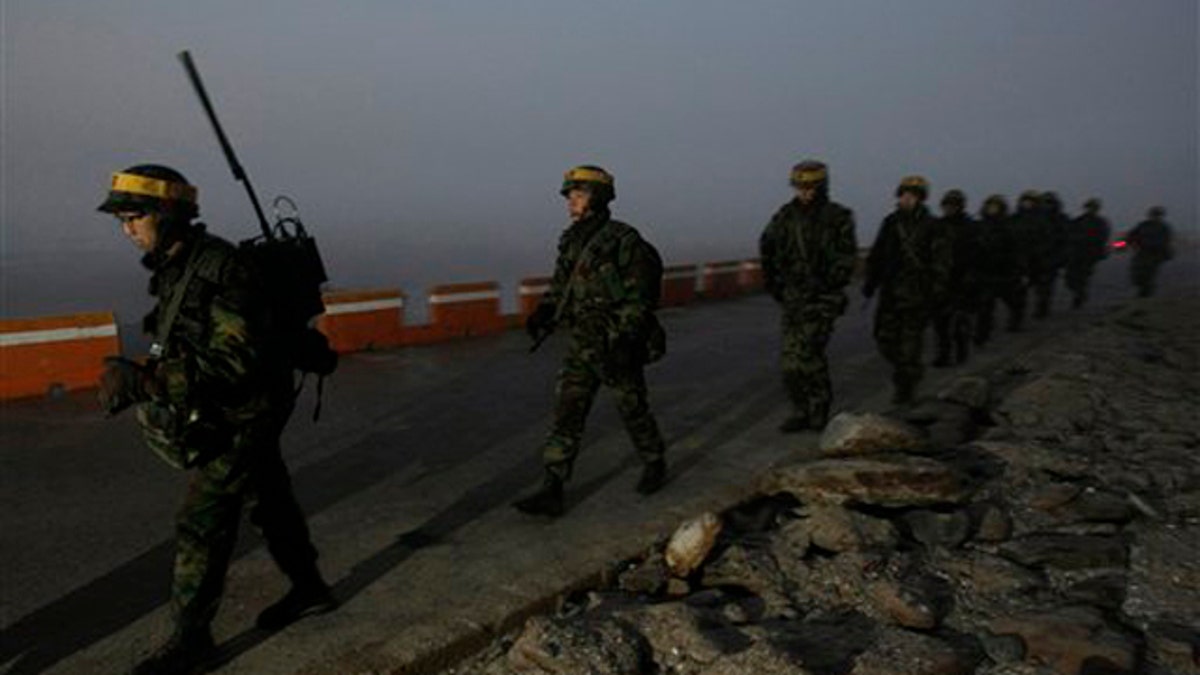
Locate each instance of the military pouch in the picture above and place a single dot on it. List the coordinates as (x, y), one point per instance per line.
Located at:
(182, 441)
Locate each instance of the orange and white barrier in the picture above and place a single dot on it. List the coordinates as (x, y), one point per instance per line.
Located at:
(530, 292)
(721, 279)
(462, 310)
(39, 354)
(678, 285)
(361, 320)
(751, 276)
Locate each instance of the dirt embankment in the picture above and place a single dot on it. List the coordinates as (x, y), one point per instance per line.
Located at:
(1044, 518)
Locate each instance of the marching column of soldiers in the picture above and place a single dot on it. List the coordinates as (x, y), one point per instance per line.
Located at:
(217, 390)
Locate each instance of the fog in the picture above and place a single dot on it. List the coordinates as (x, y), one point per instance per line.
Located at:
(425, 141)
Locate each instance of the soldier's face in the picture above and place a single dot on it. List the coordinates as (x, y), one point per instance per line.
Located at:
(907, 201)
(578, 203)
(806, 194)
(141, 228)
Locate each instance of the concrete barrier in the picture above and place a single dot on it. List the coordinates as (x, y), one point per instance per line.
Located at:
(529, 294)
(722, 279)
(464, 310)
(38, 355)
(360, 320)
(750, 276)
(679, 285)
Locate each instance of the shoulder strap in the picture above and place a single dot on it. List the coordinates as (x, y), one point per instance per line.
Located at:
(585, 253)
(159, 346)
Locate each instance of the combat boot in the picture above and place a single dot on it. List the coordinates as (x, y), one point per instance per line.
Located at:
(545, 502)
(187, 653)
(654, 474)
(308, 597)
(794, 424)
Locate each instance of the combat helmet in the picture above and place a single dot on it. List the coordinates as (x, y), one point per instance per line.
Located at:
(1029, 196)
(997, 201)
(955, 197)
(1092, 204)
(593, 179)
(914, 184)
(152, 188)
(1156, 212)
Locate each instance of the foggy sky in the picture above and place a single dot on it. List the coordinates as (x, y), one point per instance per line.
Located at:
(425, 141)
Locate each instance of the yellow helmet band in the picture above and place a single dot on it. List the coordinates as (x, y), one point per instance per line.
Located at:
(587, 176)
(153, 187)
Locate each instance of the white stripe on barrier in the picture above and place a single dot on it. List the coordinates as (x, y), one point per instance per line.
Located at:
(722, 268)
(469, 296)
(534, 290)
(751, 265)
(363, 306)
(33, 337)
(685, 274)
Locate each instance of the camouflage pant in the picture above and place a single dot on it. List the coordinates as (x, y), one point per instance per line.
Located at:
(953, 329)
(1009, 291)
(1143, 271)
(1078, 278)
(1043, 284)
(899, 333)
(805, 367)
(579, 379)
(251, 475)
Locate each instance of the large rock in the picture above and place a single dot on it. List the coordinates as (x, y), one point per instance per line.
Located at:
(691, 543)
(760, 659)
(647, 577)
(972, 391)
(937, 528)
(1073, 641)
(834, 528)
(579, 645)
(849, 434)
(897, 481)
(1052, 407)
(1067, 551)
(915, 603)
(899, 652)
(679, 640)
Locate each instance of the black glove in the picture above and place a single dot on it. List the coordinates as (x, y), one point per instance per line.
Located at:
(123, 383)
(541, 321)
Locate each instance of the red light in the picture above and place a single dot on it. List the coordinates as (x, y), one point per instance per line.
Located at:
(1120, 243)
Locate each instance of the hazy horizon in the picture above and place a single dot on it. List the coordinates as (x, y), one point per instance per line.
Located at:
(425, 141)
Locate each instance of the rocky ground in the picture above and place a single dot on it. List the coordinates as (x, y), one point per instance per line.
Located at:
(1043, 518)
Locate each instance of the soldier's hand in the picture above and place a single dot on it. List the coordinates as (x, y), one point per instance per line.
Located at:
(123, 383)
(540, 322)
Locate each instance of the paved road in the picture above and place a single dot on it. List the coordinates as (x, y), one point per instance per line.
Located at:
(406, 479)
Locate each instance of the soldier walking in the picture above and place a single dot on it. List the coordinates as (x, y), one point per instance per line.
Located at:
(909, 264)
(1087, 244)
(605, 289)
(1048, 246)
(954, 319)
(1000, 268)
(1151, 243)
(213, 398)
(808, 252)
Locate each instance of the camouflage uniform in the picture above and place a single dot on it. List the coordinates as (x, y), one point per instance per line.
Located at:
(1151, 243)
(1000, 267)
(601, 291)
(1087, 244)
(223, 402)
(910, 264)
(954, 318)
(808, 254)
(1045, 229)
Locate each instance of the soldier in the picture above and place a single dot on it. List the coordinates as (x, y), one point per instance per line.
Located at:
(1027, 228)
(1048, 247)
(1151, 243)
(954, 320)
(1087, 244)
(605, 289)
(1000, 268)
(909, 264)
(808, 253)
(213, 399)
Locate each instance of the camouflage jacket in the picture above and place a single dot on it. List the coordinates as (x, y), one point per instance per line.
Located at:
(606, 279)
(910, 260)
(963, 235)
(1087, 239)
(999, 257)
(216, 361)
(1151, 240)
(808, 254)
